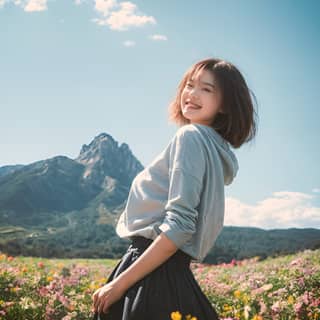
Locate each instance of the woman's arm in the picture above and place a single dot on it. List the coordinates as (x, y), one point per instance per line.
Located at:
(156, 254)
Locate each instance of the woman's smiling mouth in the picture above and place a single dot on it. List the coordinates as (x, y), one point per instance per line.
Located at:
(192, 105)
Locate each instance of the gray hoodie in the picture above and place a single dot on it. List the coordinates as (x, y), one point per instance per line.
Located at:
(181, 193)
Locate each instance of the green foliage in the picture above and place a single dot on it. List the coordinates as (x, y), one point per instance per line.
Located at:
(79, 235)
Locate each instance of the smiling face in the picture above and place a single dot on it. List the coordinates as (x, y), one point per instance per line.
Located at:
(201, 98)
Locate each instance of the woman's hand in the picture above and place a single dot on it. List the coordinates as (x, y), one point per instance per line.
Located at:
(105, 296)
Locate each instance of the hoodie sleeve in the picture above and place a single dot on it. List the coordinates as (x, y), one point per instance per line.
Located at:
(186, 174)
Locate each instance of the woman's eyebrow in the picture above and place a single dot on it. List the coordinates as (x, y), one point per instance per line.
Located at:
(208, 83)
(205, 83)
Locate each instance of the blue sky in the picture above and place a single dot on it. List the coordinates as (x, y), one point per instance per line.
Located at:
(70, 70)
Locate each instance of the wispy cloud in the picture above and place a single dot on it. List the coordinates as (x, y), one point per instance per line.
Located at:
(129, 43)
(122, 16)
(158, 37)
(117, 16)
(283, 210)
(316, 190)
(36, 5)
(27, 5)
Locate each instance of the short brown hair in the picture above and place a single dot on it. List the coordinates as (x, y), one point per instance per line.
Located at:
(238, 122)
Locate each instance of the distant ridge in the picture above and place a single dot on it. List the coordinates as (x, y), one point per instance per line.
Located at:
(9, 169)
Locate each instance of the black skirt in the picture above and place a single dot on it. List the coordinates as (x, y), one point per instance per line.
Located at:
(168, 288)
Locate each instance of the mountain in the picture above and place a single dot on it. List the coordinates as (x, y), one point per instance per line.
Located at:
(36, 193)
(62, 207)
(9, 169)
(61, 196)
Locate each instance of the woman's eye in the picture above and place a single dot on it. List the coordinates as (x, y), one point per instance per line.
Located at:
(207, 90)
(189, 85)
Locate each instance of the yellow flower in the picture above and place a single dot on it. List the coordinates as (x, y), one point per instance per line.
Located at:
(237, 294)
(176, 315)
(103, 280)
(60, 265)
(290, 299)
(257, 317)
(226, 307)
(245, 299)
(49, 278)
(190, 317)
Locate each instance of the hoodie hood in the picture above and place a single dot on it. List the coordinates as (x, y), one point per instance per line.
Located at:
(228, 158)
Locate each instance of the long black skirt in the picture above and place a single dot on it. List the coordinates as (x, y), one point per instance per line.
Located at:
(168, 288)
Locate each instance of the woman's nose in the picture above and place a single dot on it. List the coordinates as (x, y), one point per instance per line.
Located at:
(193, 92)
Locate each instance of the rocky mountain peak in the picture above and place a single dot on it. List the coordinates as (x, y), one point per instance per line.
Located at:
(104, 157)
(103, 142)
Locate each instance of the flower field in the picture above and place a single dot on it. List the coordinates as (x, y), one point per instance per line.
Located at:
(280, 288)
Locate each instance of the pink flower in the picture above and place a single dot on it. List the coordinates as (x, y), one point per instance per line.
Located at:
(233, 262)
(63, 299)
(301, 282)
(305, 298)
(49, 311)
(43, 291)
(315, 303)
(276, 307)
(297, 307)
(296, 261)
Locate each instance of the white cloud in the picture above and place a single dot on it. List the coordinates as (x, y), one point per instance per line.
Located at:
(117, 16)
(283, 210)
(123, 18)
(129, 43)
(29, 5)
(35, 5)
(104, 6)
(158, 37)
(316, 190)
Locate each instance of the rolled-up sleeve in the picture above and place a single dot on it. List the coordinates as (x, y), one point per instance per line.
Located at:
(186, 174)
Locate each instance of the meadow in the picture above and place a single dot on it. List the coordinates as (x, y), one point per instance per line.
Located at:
(283, 288)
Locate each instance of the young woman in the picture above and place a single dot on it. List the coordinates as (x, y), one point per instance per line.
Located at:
(175, 207)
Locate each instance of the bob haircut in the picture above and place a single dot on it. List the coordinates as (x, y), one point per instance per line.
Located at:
(237, 121)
